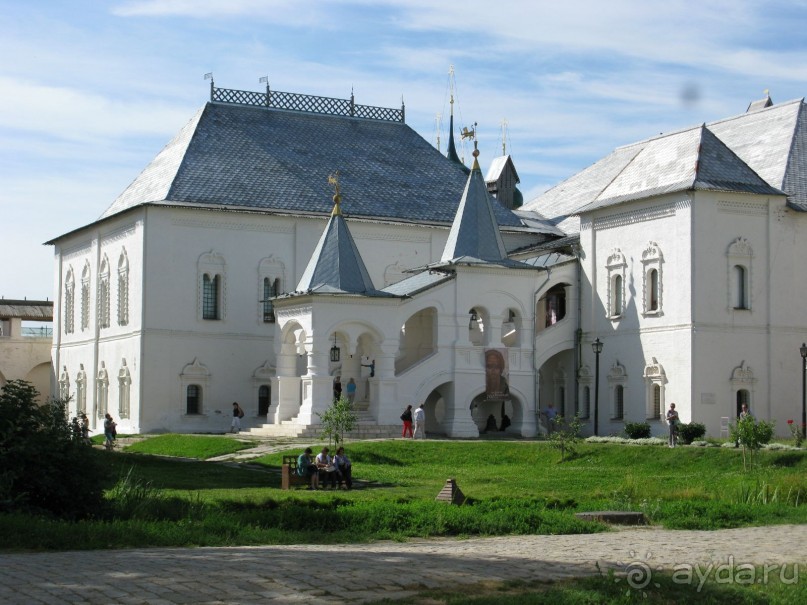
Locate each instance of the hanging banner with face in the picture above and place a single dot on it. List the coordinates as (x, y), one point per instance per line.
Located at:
(497, 387)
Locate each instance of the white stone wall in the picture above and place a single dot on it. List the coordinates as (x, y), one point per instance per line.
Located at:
(629, 234)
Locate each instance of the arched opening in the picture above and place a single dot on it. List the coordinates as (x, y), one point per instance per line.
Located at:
(494, 417)
(418, 339)
(476, 327)
(551, 308)
(511, 329)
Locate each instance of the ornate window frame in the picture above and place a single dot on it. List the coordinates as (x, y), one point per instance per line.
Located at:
(85, 296)
(103, 294)
(69, 302)
(739, 254)
(652, 260)
(617, 379)
(123, 288)
(654, 376)
(194, 373)
(616, 267)
(742, 379)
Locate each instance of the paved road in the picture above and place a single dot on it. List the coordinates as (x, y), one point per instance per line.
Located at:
(368, 572)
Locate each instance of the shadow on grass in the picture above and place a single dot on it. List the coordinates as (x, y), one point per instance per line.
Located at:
(787, 460)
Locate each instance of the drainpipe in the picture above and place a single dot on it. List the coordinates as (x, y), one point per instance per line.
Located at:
(579, 331)
(535, 338)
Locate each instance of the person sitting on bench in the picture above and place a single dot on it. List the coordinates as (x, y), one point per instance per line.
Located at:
(307, 468)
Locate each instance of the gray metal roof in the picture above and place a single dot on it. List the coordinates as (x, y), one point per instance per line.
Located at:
(418, 283)
(27, 310)
(336, 267)
(771, 142)
(690, 160)
(474, 232)
(267, 159)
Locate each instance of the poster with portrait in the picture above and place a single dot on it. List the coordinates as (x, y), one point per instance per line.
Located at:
(497, 385)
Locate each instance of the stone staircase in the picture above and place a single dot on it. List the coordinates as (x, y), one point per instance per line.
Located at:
(366, 428)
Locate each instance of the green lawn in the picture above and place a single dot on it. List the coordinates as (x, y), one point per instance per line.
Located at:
(200, 447)
(512, 487)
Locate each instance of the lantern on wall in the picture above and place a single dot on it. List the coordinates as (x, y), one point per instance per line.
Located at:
(335, 351)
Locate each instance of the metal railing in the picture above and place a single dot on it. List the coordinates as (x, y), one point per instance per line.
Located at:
(293, 101)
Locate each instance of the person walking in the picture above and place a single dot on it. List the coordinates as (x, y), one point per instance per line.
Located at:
(350, 389)
(238, 414)
(672, 420)
(110, 432)
(420, 422)
(407, 422)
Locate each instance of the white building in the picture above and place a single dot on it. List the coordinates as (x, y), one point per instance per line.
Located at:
(217, 276)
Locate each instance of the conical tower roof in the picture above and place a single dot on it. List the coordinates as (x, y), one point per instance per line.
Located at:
(474, 234)
(336, 266)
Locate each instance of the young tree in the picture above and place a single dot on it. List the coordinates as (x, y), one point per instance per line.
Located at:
(44, 464)
(565, 436)
(751, 435)
(338, 420)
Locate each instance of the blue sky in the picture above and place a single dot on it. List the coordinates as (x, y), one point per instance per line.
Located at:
(92, 90)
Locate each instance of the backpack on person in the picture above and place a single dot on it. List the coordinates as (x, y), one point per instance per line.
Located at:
(240, 412)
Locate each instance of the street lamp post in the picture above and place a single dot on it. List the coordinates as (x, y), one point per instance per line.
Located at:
(803, 351)
(597, 347)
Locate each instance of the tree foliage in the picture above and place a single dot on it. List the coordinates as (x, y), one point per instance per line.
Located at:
(565, 435)
(751, 436)
(338, 420)
(44, 463)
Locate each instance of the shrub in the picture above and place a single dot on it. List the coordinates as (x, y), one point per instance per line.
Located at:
(637, 430)
(690, 432)
(44, 464)
(338, 420)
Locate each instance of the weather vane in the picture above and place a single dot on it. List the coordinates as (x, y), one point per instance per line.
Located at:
(333, 181)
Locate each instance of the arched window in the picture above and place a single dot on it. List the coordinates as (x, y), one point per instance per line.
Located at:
(264, 399)
(616, 265)
(619, 402)
(740, 279)
(652, 261)
(617, 296)
(211, 303)
(740, 257)
(271, 288)
(652, 303)
(656, 401)
(210, 297)
(193, 399)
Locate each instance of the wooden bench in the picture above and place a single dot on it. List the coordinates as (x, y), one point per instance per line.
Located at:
(289, 474)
